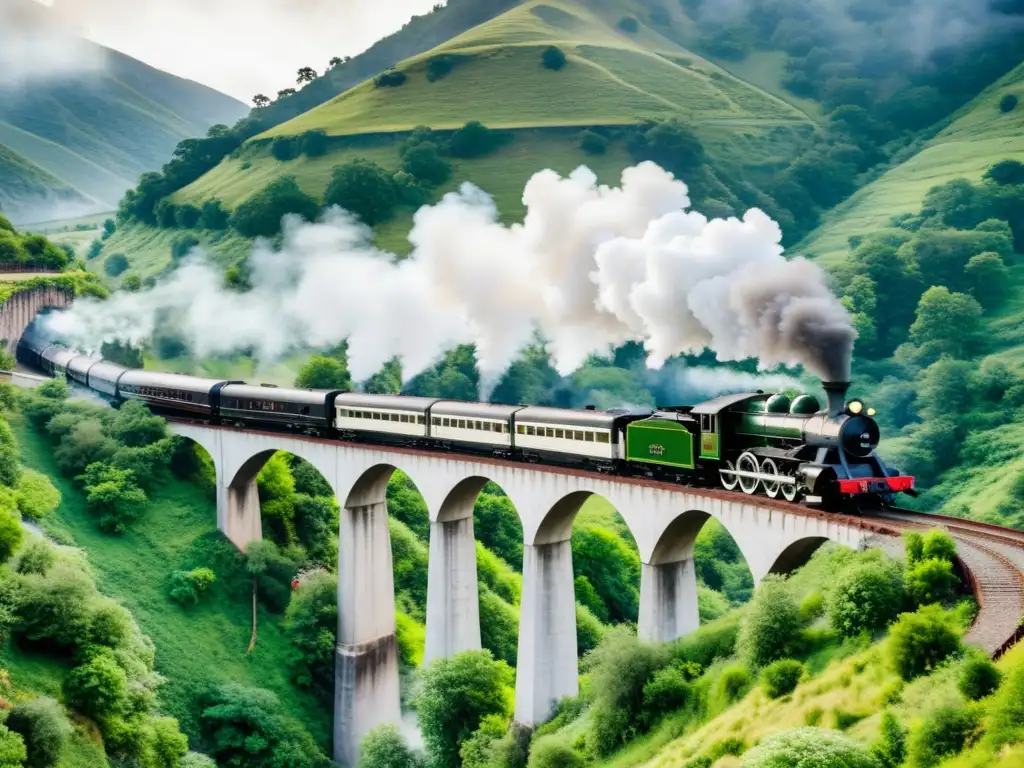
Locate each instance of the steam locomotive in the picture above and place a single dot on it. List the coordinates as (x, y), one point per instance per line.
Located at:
(762, 443)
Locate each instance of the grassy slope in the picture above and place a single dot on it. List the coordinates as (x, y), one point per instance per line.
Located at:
(977, 137)
(613, 77)
(24, 183)
(198, 647)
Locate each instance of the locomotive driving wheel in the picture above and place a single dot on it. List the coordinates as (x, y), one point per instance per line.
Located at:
(747, 462)
(790, 490)
(771, 487)
(727, 474)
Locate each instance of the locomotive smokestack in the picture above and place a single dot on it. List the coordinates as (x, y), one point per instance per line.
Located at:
(836, 393)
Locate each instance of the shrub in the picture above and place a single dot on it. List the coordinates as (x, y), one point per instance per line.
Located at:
(11, 533)
(440, 67)
(553, 58)
(931, 581)
(979, 678)
(938, 544)
(1008, 103)
(1006, 710)
(98, 688)
(44, 728)
(365, 189)
(943, 733)
(919, 642)
(771, 624)
(261, 214)
(780, 678)
(914, 545)
(186, 587)
(391, 79)
(424, 162)
(731, 686)
(37, 496)
(131, 283)
(474, 139)
(593, 143)
(186, 216)
(115, 264)
(890, 750)
(214, 216)
(554, 751)
(12, 748)
(867, 596)
(384, 747)
(628, 24)
(37, 557)
(665, 692)
(812, 607)
(197, 760)
(807, 747)
(183, 245)
(283, 148)
(313, 143)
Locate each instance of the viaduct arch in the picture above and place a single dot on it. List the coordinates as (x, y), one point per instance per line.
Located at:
(664, 520)
(22, 308)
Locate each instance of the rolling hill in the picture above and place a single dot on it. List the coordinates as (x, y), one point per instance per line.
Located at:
(25, 187)
(98, 129)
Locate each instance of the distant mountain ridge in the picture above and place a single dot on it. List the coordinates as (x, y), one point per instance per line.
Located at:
(97, 130)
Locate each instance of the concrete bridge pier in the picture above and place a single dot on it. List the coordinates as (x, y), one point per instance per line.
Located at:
(453, 607)
(668, 601)
(239, 512)
(366, 656)
(547, 668)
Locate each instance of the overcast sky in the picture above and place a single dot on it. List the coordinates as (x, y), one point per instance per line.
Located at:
(240, 47)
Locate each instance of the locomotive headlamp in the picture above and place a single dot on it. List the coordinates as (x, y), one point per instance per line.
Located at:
(872, 411)
(855, 407)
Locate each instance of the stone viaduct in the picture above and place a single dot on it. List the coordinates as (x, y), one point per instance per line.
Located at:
(18, 312)
(664, 520)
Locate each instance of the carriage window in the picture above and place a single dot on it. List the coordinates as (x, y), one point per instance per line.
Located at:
(603, 437)
(589, 437)
(376, 416)
(531, 431)
(446, 422)
(462, 424)
(577, 435)
(520, 429)
(560, 434)
(436, 421)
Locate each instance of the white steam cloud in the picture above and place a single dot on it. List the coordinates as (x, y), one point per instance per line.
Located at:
(35, 45)
(589, 267)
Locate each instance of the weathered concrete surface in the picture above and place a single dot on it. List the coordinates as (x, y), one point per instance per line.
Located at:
(18, 312)
(453, 605)
(546, 669)
(668, 601)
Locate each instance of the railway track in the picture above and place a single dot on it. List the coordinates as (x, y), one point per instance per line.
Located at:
(993, 561)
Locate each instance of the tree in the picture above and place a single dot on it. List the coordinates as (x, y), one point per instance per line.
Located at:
(45, 729)
(457, 693)
(37, 496)
(951, 320)
(1006, 173)
(214, 216)
(283, 148)
(324, 373)
(867, 596)
(808, 747)
(474, 139)
(305, 75)
(987, 278)
(943, 733)
(363, 188)
(1008, 103)
(771, 625)
(780, 677)
(311, 625)
(99, 687)
(592, 143)
(113, 496)
(260, 101)
(37, 557)
(12, 748)
(131, 283)
(115, 264)
(391, 79)
(553, 58)
(671, 144)
(931, 581)
(919, 642)
(313, 143)
(261, 214)
(335, 62)
(610, 566)
(95, 249)
(109, 228)
(186, 216)
(384, 747)
(979, 677)
(424, 162)
(284, 93)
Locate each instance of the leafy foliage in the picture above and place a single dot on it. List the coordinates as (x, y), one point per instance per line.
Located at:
(365, 189)
(553, 58)
(771, 624)
(978, 678)
(780, 677)
(866, 597)
(919, 642)
(44, 728)
(384, 747)
(261, 214)
(807, 746)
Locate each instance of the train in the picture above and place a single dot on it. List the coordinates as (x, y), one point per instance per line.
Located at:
(761, 443)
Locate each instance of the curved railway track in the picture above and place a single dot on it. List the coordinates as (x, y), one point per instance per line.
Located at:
(993, 561)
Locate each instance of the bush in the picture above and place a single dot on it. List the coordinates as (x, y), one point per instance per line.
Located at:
(364, 188)
(919, 642)
(553, 58)
(44, 728)
(666, 692)
(384, 747)
(214, 216)
(261, 214)
(554, 751)
(1008, 103)
(36, 494)
(943, 733)
(186, 587)
(890, 750)
(113, 496)
(979, 678)
(780, 678)
(186, 216)
(311, 624)
(440, 67)
(939, 544)
(11, 533)
(474, 139)
(37, 557)
(771, 624)
(424, 162)
(593, 143)
(131, 283)
(391, 79)
(115, 264)
(867, 596)
(183, 245)
(812, 607)
(12, 748)
(914, 546)
(314, 143)
(807, 747)
(98, 688)
(628, 24)
(283, 148)
(731, 686)
(931, 581)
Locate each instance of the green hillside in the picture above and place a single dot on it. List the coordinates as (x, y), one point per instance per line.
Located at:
(98, 131)
(25, 186)
(974, 139)
(614, 78)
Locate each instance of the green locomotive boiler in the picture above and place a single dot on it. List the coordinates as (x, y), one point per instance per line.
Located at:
(766, 443)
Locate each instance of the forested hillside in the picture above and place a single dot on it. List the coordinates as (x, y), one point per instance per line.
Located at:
(95, 127)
